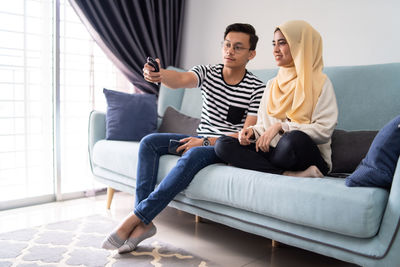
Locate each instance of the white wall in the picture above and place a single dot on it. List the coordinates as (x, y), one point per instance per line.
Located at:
(354, 32)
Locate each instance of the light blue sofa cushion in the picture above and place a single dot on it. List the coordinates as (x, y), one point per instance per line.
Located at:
(117, 156)
(323, 203)
(169, 97)
(265, 74)
(365, 95)
(192, 103)
(121, 157)
(376, 81)
(319, 203)
(187, 101)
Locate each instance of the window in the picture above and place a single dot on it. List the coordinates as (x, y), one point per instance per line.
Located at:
(26, 99)
(26, 142)
(84, 72)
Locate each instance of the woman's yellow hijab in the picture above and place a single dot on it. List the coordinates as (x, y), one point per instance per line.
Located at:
(296, 89)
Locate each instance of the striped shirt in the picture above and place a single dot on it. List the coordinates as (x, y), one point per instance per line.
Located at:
(225, 107)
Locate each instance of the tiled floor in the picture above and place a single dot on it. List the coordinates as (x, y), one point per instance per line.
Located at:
(216, 242)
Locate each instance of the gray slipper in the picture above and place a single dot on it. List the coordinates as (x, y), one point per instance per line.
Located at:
(131, 243)
(112, 241)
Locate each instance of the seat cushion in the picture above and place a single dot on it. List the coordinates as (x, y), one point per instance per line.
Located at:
(121, 157)
(323, 203)
(117, 156)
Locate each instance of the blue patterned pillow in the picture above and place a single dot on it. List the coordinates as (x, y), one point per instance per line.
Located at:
(378, 166)
(130, 117)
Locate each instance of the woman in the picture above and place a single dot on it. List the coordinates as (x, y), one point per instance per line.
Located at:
(297, 113)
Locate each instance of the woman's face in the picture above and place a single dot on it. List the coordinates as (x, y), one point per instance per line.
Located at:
(281, 50)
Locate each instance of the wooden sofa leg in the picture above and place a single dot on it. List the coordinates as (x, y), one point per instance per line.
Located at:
(198, 219)
(110, 195)
(275, 244)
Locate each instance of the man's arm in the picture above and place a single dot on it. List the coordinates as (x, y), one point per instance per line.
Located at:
(250, 121)
(190, 142)
(174, 79)
(170, 78)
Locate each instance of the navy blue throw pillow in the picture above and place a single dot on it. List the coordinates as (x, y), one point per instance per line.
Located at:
(130, 117)
(378, 166)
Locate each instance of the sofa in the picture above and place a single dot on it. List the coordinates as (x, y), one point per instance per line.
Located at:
(354, 224)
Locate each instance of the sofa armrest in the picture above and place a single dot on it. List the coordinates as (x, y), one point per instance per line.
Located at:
(390, 225)
(96, 131)
(395, 189)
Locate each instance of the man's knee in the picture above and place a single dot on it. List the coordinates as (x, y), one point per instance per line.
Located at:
(148, 138)
(155, 139)
(155, 142)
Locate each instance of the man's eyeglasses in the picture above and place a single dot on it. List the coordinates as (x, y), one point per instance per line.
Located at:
(236, 48)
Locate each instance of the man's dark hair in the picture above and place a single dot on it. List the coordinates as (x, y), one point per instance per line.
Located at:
(245, 28)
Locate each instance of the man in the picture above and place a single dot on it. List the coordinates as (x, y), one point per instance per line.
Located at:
(231, 96)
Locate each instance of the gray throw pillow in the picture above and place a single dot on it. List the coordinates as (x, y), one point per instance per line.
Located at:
(176, 122)
(378, 167)
(349, 148)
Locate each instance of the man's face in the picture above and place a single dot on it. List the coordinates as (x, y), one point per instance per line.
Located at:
(236, 50)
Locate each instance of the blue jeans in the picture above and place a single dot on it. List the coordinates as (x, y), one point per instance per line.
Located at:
(150, 201)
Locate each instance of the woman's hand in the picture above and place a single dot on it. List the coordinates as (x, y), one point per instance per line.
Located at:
(265, 139)
(149, 74)
(189, 142)
(245, 135)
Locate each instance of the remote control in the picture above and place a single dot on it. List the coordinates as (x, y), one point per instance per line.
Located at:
(152, 62)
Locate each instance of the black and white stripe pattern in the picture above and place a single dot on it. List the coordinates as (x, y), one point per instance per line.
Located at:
(225, 107)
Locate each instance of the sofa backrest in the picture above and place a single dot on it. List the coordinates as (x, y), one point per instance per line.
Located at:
(368, 96)
(187, 101)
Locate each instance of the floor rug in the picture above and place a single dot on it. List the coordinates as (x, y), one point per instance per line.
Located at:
(77, 243)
